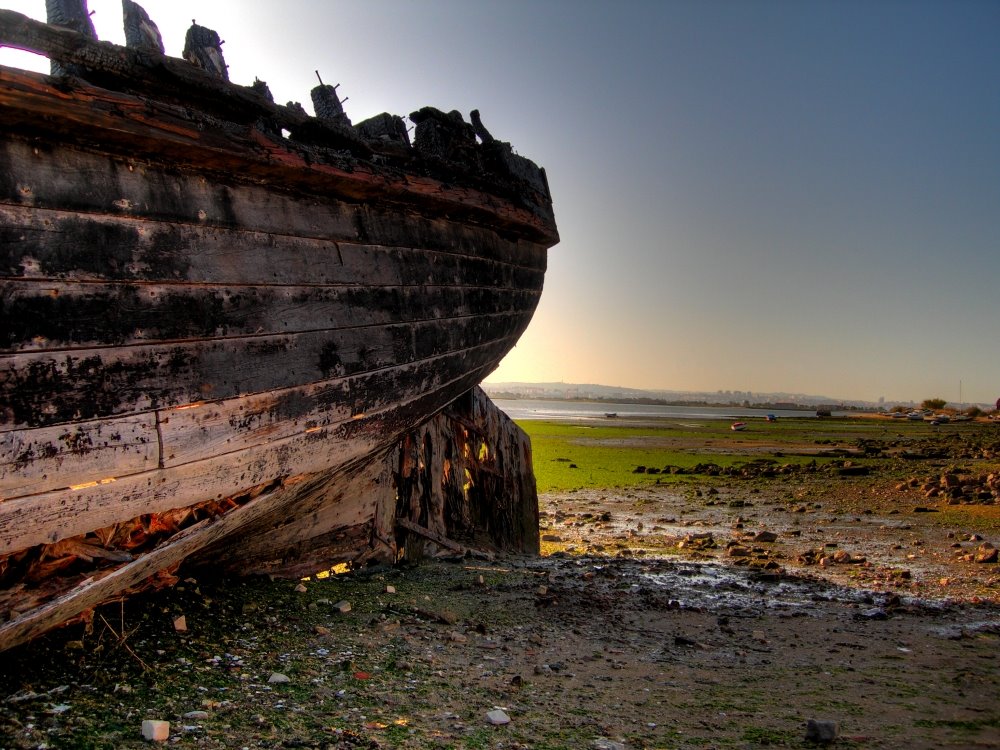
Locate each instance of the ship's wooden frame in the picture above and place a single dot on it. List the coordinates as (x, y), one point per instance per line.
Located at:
(241, 336)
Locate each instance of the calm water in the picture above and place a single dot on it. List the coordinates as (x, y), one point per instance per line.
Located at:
(572, 410)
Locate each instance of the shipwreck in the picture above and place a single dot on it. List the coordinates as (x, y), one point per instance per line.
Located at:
(232, 333)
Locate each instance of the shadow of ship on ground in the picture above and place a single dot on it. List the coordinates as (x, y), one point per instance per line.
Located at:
(226, 326)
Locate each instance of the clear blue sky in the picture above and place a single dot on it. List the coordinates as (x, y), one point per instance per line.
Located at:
(772, 195)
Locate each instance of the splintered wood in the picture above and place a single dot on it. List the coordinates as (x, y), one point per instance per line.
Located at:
(461, 482)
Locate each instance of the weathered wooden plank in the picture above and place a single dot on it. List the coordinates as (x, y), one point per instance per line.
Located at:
(48, 517)
(43, 315)
(464, 475)
(48, 458)
(110, 381)
(433, 536)
(94, 591)
(53, 458)
(53, 244)
(340, 519)
(139, 129)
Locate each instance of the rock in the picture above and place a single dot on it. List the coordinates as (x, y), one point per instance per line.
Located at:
(843, 557)
(823, 732)
(456, 637)
(603, 743)
(342, 606)
(876, 613)
(390, 589)
(180, 624)
(765, 537)
(278, 679)
(950, 480)
(738, 551)
(301, 588)
(498, 717)
(986, 553)
(321, 630)
(196, 715)
(155, 731)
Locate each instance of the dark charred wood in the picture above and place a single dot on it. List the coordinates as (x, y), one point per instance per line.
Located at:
(140, 31)
(448, 144)
(384, 128)
(203, 49)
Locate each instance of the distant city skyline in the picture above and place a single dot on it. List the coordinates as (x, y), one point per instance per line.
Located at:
(596, 390)
(774, 195)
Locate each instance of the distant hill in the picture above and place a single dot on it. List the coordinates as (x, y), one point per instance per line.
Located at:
(594, 392)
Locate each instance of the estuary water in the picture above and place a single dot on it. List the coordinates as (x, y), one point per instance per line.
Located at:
(519, 409)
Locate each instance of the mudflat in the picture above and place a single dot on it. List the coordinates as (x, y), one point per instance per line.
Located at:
(830, 582)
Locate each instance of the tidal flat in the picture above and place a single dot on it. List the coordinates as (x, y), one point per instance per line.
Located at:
(738, 586)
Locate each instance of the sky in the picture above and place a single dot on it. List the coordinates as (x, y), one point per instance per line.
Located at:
(796, 196)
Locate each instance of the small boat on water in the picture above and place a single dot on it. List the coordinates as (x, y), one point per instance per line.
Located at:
(738, 426)
(228, 328)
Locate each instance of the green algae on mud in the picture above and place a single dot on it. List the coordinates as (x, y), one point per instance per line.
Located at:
(604, 454)
(568, 456)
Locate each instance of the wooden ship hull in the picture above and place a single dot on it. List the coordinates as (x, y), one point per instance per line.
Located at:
(228, 330)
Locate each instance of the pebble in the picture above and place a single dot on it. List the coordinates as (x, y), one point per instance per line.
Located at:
(343, 607)
(301, 588)
(603, 743)
(180, 624)
(986, 553)
(196, 715)
(155, 731)
(498, 717)
(277, 678)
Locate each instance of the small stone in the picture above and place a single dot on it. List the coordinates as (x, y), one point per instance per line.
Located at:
(542, 590)
(180, 624)
(823, 732)
(765, 537)
(390, 589)
(498, 717)
(196, 715)
(986, 553)
(603, 743)
(343, 607)
(278, 679)
(301, 588)
(155, 731)
(456, 637)
(321, 630)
